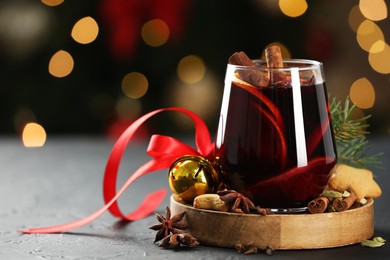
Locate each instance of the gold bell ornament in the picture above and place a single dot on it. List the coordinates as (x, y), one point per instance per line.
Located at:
(190, 176)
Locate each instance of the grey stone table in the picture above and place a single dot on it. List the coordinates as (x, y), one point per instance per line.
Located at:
(62, 182)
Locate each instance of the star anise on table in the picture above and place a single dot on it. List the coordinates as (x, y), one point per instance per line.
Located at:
(168, 225)
(170, 231)
(236, 200)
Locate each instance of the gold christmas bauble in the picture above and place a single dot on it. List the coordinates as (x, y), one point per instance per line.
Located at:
(190, 176)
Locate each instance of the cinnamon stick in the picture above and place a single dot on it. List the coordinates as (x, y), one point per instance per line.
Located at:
(240, 58)
(318, 205)
(342, 204)
(253, 77)
(274, 59)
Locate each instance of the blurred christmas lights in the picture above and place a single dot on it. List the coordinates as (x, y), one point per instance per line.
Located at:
(52, 2)
(367, 34)
(85, 30)
(362, 93)
(135, 85)
(202, 97)
(374, 10)
(293, 8)
(61, 64)
(379, 57)
(370, 38)
(127, 108)
(285, 52)
(22, 116)
(24, 28)
(155, 32)
(355, 18)
(191, 69)
(33, 135)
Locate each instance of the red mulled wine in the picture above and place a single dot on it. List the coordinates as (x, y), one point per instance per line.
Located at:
(275, 142)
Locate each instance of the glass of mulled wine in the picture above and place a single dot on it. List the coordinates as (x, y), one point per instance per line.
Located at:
(275, 141)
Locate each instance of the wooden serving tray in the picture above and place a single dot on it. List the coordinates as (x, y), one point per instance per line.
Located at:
(279, 231)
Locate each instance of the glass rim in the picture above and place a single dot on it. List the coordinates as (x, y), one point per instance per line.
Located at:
(304, 64)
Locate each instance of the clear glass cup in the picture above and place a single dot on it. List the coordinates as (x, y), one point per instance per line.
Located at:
(275, 141)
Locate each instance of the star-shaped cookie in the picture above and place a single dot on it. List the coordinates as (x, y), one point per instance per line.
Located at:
(360, 181)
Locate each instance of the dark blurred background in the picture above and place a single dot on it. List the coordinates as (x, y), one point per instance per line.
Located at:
(94, 66)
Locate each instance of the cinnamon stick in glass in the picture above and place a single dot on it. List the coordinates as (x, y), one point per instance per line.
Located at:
(253, 77)
(318, 205)
(274, 59)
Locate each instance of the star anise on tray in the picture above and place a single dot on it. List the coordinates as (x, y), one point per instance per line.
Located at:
(236, 200)
(168, 225)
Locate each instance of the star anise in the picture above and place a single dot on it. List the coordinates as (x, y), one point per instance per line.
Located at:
(236, 200)
(168, 225)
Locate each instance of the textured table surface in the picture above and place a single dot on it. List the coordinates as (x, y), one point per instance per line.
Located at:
(62, 182)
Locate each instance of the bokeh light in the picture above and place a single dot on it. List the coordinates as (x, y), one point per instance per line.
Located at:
(362, 93)
(191, 69)
(374, 10)
(355, 18)
(293, 8)
(85, 30)
(22, 116)
(271, 7)
(155, 32)
(135, 85)
(285, 52)
(52, 2)
(358, 113)
(31, 32)
(61, 64)
(203, 98)
(368, 33)
(34, 135)
(24, 28)
(128, 108)
(379, 57)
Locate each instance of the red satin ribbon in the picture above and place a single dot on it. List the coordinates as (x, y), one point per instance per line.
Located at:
(163, 149)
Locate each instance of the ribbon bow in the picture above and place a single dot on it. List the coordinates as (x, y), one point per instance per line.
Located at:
(163, 149)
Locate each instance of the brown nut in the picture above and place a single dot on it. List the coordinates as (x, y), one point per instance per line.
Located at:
(211, 202)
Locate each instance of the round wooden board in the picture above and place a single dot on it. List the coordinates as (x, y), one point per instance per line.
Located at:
(279, 231)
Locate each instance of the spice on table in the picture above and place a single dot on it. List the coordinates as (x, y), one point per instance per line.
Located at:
(269, 250)
(168, 225)
(375, 242)
(175, 240)
(235, 200)
(248, 249)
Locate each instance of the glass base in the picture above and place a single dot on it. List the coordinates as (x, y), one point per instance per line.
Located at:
(289, 210)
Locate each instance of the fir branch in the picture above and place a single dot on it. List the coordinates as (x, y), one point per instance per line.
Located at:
(350, 136)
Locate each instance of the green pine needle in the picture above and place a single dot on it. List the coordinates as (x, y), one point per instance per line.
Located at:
(350, 137)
